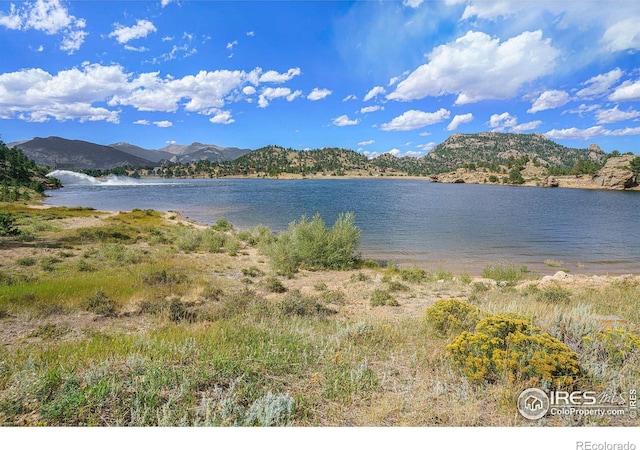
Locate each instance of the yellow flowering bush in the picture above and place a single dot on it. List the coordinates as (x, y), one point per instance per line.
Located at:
(508, 347)
(453, 315)
(615, 345)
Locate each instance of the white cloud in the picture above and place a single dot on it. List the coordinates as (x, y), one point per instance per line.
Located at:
(274, 77)
(627, 91)
(623, 35)
(369, 142)
(223, 117)
(501, 122)
(141, 29)
(395, 152)
(270, 93)
(458, 120)
(50, 17)
(251, 33)
(374, 92)
(412, 3)
(368, 109)
(80, 93)
(414, 154)
(506, 122)
(414, 119)
(477, 67)
(590, 133)
(349, 97)
(428, 146)
(524, 127)
(166, 2)
(140, 49)
(615, 115)
(344, 121)
(318, 94)
(163, 124)
(600, 84)
(549, 100)
(230, 45)
(142, 122)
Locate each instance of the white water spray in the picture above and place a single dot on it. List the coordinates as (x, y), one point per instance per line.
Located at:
(70, 178)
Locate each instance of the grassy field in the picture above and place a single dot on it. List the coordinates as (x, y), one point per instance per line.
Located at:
(139, 318)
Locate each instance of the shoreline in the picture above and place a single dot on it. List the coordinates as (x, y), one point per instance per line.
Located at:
(459, 266)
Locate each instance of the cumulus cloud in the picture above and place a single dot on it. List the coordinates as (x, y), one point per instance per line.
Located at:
(223, 117)
(374, 92)
(506, 122)
(623, 35)
(81, 93)
(141, 29)
(141, 122)
(590, 133)
(230, 45)
(368, 109)
(600, 84)
(395, 152)
(318, 94)
(477, 67)
(627, 91)
(414, 119)
(428, 146)
(273, 76)
(412, 3)
(615, 115)
(50, 17)
(369, 142)
(270, 93)
(343, 121)
(458, 120)
(549, 100)
(349, 97)
(163, 124)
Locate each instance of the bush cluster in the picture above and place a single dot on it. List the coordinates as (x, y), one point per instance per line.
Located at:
(453, 315)
(503, 347)
(309, 244)
(508, 347)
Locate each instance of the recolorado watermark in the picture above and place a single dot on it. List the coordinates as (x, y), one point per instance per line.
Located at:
(534, 404)
(588, 445)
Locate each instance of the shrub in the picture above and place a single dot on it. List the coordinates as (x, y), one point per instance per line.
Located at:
(308, 244)
(188, 239)
(382, 298)
(554, 294)
(7, 225)
(162, 277)
(270, 410)
(413, 274)
(508, 347)
(508, 274)
(274, 285)
(223, 225)
(28, 261)
(101, 304)
(616, 346)
(359, 277)
(297, 304)
(212, 240)
(453, 315)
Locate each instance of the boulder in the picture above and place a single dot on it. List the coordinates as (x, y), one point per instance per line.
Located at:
(549, 182)
(616, 174)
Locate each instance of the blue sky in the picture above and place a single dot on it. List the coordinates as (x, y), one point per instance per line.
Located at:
(373, 76)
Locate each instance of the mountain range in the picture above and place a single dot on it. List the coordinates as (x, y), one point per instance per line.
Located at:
(60, 153)
(459, 150)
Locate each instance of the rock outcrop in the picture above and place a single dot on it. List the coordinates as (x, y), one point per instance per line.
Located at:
(616, 174)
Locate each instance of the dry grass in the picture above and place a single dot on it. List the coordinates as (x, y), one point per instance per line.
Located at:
(203, 338)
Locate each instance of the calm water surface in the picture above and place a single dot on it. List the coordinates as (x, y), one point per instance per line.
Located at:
(458, 227)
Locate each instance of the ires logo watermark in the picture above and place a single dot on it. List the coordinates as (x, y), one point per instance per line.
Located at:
(534, 403)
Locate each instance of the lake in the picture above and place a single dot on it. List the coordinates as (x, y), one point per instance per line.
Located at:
(457, 227)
